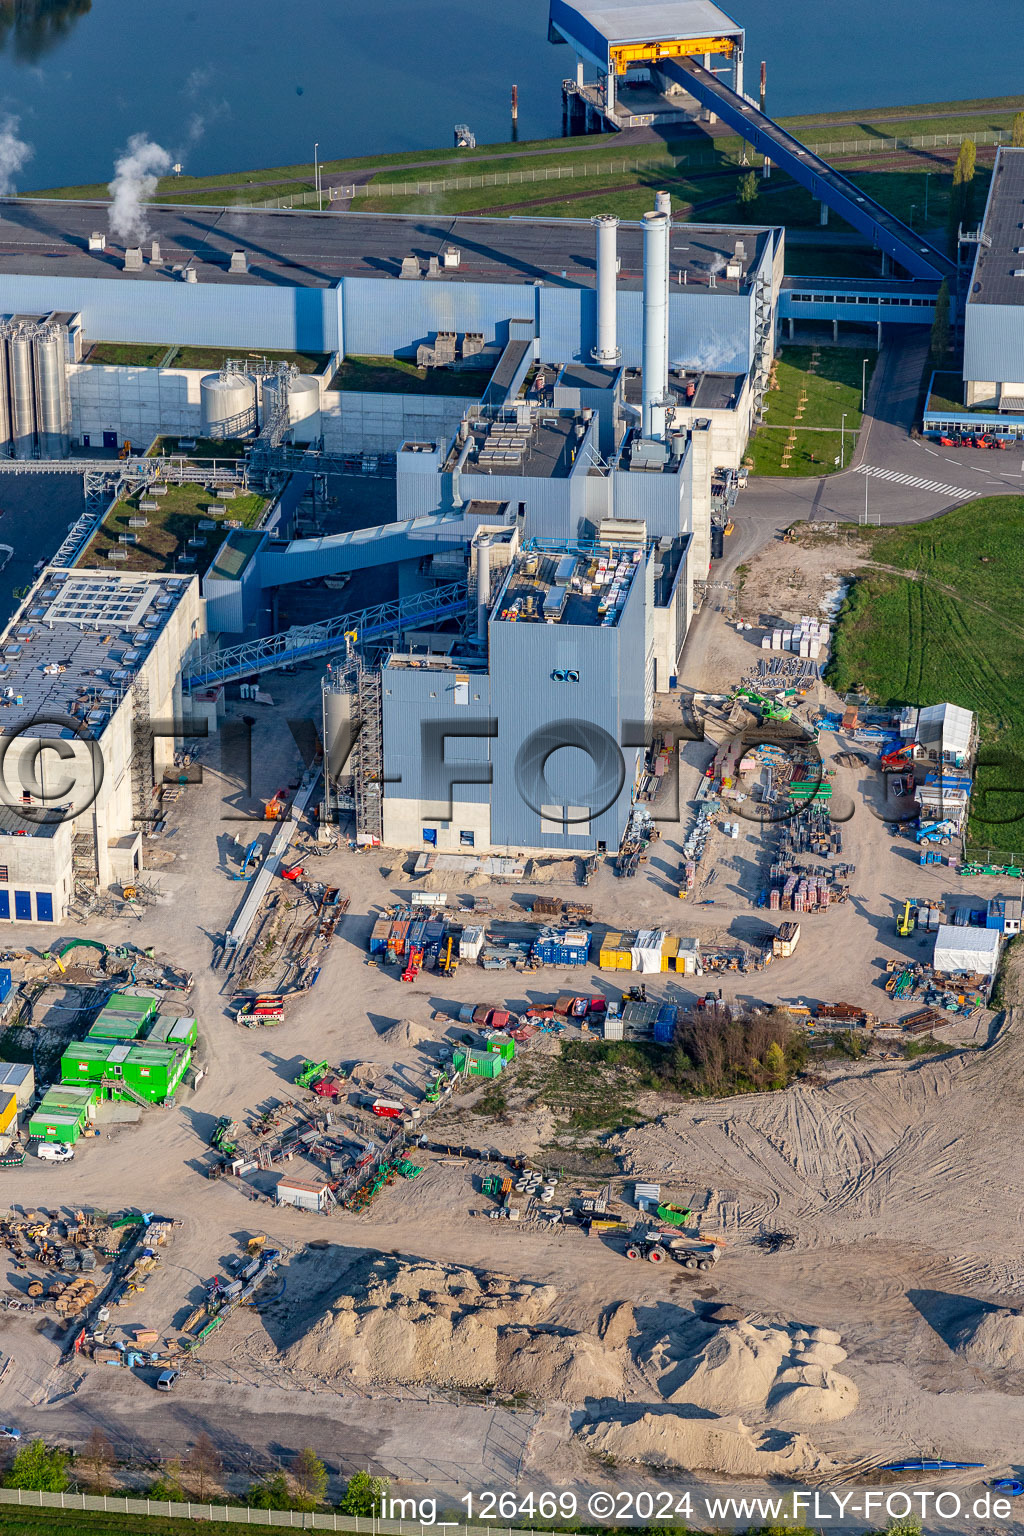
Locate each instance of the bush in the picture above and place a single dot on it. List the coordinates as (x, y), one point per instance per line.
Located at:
(40, 1467)
(363, 1495)
(271, 1492)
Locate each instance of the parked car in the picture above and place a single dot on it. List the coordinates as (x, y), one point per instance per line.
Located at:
(54, 1151)
(165, 1381)
(8, 1433)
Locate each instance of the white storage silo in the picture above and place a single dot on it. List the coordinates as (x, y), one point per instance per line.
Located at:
(227, 405)
(22, 401)
(304, 408)
(53, 399)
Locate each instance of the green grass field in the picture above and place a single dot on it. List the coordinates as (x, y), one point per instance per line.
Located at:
(814, 387)
(830, 377)
(148, 354)
(166, 538)
(396, 376)
(950, 632)
(813, 453)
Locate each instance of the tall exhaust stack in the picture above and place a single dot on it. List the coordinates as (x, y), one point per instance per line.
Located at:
(607, 349)
(483, 585)
(655, 358)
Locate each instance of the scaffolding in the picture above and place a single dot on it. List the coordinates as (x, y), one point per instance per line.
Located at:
(142, 752)
(369, 748)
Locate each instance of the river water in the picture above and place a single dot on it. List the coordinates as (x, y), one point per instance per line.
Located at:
(230, 84)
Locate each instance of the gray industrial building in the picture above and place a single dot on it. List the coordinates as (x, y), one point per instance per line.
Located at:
(994, 314)
(532, 738)
(88, 662)
(571, 503)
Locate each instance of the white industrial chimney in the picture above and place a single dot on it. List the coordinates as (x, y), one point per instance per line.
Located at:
(663, 202)
(483, 585)
(655, 359)
(607, 350)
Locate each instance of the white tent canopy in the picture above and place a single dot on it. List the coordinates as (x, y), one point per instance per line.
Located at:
(967, 949)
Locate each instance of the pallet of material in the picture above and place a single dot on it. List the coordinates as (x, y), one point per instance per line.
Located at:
(923, 1020)
(848, 1013)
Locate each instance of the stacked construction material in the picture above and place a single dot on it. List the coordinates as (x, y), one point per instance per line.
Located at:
(809, 638)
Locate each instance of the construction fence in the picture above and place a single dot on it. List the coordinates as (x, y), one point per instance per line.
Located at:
(289, 1519)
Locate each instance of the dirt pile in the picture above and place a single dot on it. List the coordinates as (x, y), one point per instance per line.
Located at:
(993, 1337)
(409, 1322)
(722, 1445)
(771, 1371)
(407, 1032)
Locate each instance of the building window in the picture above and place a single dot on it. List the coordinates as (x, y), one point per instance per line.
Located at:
(467, 839)
(4, 876)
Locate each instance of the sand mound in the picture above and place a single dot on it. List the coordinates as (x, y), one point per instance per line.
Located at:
(720, 1445)
(567, 1369)
(992, 1337)
(820, 1354)
(407, 1032)
(408, 1322)
(737, 1366)
(811, 1395)
(617, 1324)
(760, 1370)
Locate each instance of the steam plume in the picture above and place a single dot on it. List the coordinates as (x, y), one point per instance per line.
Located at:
(136, 174)
(14, 152)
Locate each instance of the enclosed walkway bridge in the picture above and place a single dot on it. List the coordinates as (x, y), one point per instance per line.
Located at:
(896, 239)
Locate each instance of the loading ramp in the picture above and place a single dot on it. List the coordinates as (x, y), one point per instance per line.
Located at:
(882, 228)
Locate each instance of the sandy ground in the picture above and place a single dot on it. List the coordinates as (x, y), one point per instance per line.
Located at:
(898, 1180)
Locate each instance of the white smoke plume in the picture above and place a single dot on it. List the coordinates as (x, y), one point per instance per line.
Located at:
(14, 153)
(136, 173)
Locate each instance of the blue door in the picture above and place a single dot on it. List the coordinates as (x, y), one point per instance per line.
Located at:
(23, 906)
(5, 905)
(44, 907)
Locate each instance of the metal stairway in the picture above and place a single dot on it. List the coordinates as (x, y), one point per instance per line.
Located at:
(306, 641)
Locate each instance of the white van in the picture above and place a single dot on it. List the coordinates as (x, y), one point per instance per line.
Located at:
(54, 1151)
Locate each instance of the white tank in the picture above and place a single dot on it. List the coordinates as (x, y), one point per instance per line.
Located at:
(303, 405)
(227, 405)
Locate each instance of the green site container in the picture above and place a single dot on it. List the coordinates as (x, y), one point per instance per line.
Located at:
(479, 1063)
(62, 1115)
(506, 1049)
(123, 1018)
(153, 1072)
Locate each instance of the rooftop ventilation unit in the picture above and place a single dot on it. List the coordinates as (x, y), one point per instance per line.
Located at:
(239, 263)
(133, 259)
(97, 241)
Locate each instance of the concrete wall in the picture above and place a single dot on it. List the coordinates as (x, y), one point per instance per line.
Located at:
(136, 403)
(354, 422)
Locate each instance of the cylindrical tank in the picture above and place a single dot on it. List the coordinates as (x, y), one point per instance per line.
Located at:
(53, 400)
(337, 729)
(607, 350)
(227, 405)
(304, 408)
(6, 446)
(23, 415)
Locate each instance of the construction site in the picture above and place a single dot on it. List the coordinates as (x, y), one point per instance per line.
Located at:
(500, 1017)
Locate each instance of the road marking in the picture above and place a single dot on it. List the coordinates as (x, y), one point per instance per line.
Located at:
(912, 482)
